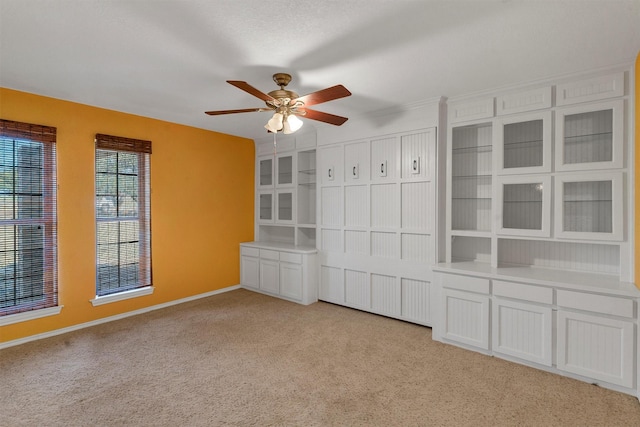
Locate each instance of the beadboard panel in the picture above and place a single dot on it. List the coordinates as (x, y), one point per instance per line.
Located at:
(331, 203)
(416, 300)
(596, 347)
(357, 289)
(385, 295)
(384, 245)
(466, 318)
(523, 330)
(331, 284)
(384, 206)
(592, 89)
(416, 197)
(417, 247)
(331, 240)
(356, 212)
(384, 159)
(561, 255)
(355, 242)
(415, 162)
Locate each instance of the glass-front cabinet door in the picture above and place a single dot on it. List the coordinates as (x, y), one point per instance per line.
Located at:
(265, 206)
(265, 171)
(471, 176)
(523, 205)
(523, 144)
(590, 137)
(589, 206)
(284, 209)
(285, 169)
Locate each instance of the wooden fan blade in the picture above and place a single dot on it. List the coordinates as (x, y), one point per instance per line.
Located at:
(250, 89)
(324, 117)
(246, 110)
(324, 95)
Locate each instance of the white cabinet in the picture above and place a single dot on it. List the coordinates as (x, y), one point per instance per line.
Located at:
(465, 310)
(523, 143)
(524, 205)
(280, 270)
(265, 206)
(595, 344)
(356, 162)
(590, 136)
(265, 172)
(589, 206)
(522, 322)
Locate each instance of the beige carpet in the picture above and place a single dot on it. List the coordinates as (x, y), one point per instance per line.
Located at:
(244, 359)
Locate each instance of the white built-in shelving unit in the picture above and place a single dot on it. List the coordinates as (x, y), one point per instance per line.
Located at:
(538, 260)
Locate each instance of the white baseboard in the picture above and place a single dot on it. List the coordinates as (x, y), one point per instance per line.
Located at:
(112, 318)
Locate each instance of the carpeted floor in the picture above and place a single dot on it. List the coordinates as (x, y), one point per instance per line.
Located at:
(244, 359)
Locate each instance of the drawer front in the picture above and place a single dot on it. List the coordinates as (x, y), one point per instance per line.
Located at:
(523, 292)
(292, 258)
(596, 303)
(466, 283)
(267, 254)
(245, 251)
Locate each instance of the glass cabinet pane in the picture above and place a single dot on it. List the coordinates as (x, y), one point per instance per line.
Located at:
(588, 137)
(471, 158)
(266, 172)
(522, 206)
(285, 206)
(525, 202)
(266, 206)
(587, 206)
(523, 144)
(285, 170)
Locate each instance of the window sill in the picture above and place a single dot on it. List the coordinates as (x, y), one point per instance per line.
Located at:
(30, 315)
(134, 293)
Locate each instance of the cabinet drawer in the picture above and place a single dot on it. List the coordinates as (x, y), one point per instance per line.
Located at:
(523, 292)
(249, 251)
(596, 303)
(466, 283)
(267, 254)
(292, 258)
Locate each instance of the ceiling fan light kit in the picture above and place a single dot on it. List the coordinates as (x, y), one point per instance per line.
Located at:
(287, 105)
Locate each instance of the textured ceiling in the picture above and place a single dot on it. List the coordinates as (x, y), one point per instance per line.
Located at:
(169, 59)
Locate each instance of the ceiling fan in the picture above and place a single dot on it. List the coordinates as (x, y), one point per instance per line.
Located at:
(287, 105)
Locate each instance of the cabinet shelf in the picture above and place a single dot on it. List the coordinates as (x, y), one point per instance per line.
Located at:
(477, 177)
(475, 148)
(588, 137)
(518, 145)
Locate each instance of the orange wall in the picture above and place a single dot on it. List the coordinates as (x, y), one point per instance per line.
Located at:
(201, 206)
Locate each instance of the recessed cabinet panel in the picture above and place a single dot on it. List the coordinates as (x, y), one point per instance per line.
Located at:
(269, 276)
(331, 284)
(291, 280)
(357, 289)
(522, 330)
(590, 137)
(465, 318)
(356, 162)
(384, 159)
(416, 300)
(523, 144)
(250, 272)
(596, 347)
(592, 89)
(589, 206)
(524, 203)
(330, 165)
(385, 295)
(415, 155)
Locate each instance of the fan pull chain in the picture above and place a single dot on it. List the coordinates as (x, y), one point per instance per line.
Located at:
(274, 144)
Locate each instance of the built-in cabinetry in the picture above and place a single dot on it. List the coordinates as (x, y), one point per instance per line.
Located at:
(377, 223)
(282, 259)
(280, 270)
(538, 259)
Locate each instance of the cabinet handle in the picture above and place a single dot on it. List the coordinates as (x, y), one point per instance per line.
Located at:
(354, 171)
(415, 164)
(329, 172)
(382, 168)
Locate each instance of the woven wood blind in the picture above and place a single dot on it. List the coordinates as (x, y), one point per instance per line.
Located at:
(28, 224)
(119, 143)
(123, 231)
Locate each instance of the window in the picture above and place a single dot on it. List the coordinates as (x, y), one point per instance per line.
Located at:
(28, 268)
(123, 238)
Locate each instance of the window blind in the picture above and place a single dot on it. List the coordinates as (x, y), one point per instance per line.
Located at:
(28, 225)
(123, 237)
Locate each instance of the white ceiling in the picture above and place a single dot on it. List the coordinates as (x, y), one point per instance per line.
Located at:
(170, 59)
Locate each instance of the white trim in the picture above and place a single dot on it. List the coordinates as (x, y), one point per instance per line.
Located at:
(112, 318)
(120, 296)
(29, 315)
